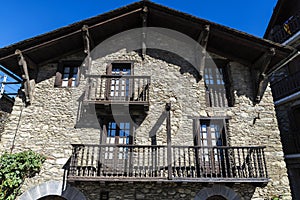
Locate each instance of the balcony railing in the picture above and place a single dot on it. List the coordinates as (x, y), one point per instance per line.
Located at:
(286, 86)
(167, 163)
(107, 88)
(287, 30)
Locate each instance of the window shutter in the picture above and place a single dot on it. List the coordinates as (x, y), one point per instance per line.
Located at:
(78, 77)
(109, 69)
(108, 82)
(58, 77)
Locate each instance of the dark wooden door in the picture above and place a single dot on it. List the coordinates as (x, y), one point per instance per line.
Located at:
(210, 135)
(115, 156)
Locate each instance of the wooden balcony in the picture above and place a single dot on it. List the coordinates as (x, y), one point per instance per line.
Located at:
(105, 90)
(281, 33)
(286, 86)
(168, 163)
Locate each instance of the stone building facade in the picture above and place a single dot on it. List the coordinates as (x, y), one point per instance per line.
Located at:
(109, 121)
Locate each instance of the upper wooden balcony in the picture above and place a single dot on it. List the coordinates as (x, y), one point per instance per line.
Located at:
(168, 163)
(286, 86)
(105, 90)
(281, 33)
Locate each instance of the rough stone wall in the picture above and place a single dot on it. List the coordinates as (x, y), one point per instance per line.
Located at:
(48, 125)
(154, 191)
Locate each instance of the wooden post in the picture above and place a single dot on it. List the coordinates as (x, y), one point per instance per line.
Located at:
(87, 42)
(144, 35)
(169, 150)
(258, 71)
(202, 40)
(25, 76)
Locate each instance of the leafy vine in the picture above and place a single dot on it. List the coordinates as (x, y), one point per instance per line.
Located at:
(14, 168)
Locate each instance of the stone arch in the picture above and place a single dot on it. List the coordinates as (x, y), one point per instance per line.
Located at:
(52, 188)
(217, 190)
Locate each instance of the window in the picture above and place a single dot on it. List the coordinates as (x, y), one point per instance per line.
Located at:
(119, 85)
(217, 85)
(210, 132)
(67, 74)
(118, 134)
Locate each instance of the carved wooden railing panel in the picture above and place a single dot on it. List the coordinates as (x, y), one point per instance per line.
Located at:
(141, 162)
(118, 88)
(286, 86)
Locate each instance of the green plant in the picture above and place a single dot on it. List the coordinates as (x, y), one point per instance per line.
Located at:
(14, 168)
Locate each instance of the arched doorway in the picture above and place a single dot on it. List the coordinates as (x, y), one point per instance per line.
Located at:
(216, 197)
(217, 192)
(52, 190)
(52, 197)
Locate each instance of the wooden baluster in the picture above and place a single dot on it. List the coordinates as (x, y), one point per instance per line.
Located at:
(219, 149)
(81, 161)
(149, 162)
(186, 170)
(245, 166)
(259, 161)
(239, 168)
(265, 164)
(92, 162)
(255, 172)
(139, 89)
(101, 95)
(164, 161)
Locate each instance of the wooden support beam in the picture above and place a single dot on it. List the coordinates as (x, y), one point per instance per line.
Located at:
(144, 35)
(27, 86)
(169, 142)
(202, 40)
(88, 44)
(258, 71)
(87, 39)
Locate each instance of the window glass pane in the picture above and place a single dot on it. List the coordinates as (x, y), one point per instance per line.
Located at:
(122, 134)
(75, 70)
(67, 70)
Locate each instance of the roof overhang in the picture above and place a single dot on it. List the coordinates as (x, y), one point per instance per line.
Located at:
(227, 42)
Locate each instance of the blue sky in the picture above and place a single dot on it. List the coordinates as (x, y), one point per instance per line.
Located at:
(21, 20)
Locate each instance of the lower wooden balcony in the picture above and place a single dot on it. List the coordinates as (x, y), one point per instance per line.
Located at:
(168, 163)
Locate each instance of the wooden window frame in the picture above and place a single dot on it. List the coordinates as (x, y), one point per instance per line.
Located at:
(221, 120)
(105, 129)
(228, 99)
(60, 73)
(111, 64)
